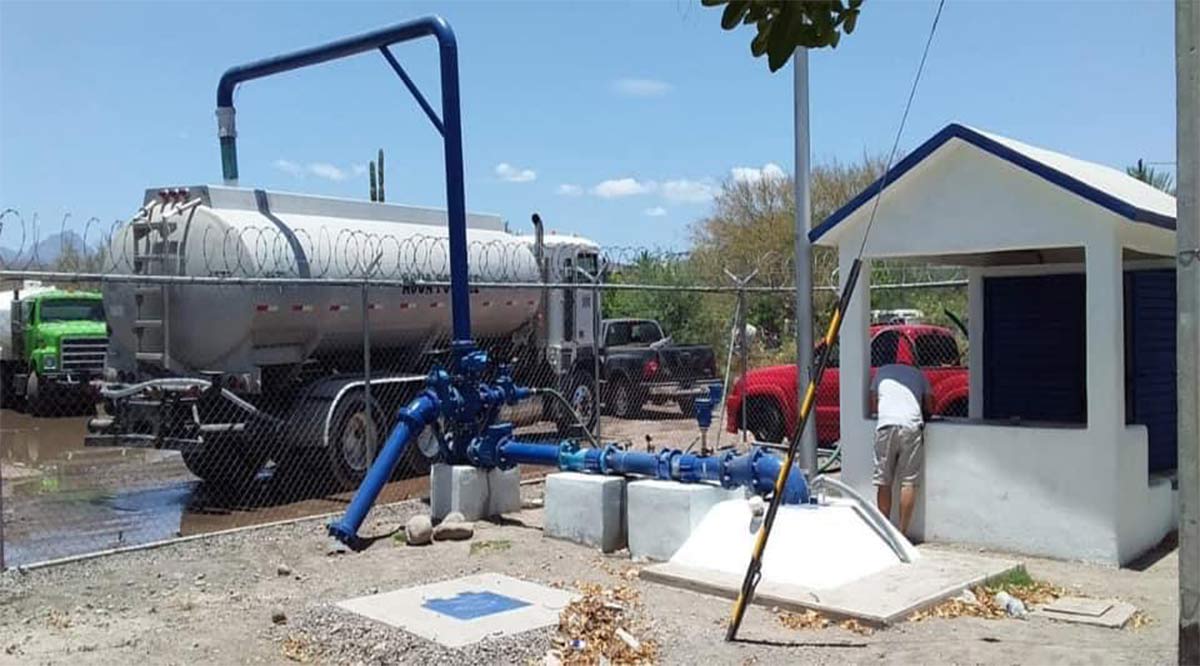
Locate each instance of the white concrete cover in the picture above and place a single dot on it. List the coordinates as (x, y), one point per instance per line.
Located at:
(661, 515)
(817, 547)
(538, 606)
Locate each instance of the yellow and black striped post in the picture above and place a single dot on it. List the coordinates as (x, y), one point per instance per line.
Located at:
(754, 571)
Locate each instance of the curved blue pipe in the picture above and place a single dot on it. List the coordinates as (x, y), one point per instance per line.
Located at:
(411, 420)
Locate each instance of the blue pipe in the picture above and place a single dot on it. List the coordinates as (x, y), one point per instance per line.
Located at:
(410, 421)
(451, 130)
(757, 469)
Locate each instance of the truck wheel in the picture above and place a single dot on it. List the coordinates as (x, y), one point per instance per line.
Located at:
(766, 421)
(226, 466)
(625, 405)
(581, 393)
(957, 408)
(354, 440)
(36, 403)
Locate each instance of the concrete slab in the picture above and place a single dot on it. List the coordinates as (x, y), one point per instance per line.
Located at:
(1108, 613)
(586, 508)
(812, 546)
(662, 514)
(465, 610)
(475, 493)
(880, 599)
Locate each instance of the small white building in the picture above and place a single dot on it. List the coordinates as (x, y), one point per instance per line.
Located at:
(1069, 448)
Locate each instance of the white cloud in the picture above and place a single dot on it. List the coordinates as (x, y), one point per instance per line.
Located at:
(359, 169)
(623, 187)
(327, 171)
(288, 167)
(641, 87)
(657, 211)
(769, 171)
(512, 174)
(688, 191)
(569, 190)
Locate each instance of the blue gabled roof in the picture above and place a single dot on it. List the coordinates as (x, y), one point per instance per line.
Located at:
(1134, 201)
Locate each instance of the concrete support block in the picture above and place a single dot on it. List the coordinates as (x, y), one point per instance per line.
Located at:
(587, 509)
(475, 493)
(504, 491)
(662, 514)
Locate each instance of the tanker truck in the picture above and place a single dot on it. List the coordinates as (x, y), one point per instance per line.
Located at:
(235, 374)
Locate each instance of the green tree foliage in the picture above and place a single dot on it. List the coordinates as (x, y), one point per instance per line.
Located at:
(784, 25)
(752, 226)
(1153, 177)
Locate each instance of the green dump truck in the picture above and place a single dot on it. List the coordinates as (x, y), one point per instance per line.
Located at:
(52, 344)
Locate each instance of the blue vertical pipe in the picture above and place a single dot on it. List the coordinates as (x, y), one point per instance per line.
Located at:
(411, 420)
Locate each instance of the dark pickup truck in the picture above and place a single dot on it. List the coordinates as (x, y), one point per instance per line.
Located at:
(640, 364)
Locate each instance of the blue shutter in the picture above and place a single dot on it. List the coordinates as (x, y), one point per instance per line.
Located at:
(1150, 355)
(1034, 352)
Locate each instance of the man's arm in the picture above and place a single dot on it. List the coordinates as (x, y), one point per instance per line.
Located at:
(873, 403)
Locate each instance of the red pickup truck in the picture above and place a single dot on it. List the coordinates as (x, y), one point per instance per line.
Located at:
(772, 408)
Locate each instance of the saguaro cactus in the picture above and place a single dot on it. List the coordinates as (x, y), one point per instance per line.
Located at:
(381, 198)
(374, 190)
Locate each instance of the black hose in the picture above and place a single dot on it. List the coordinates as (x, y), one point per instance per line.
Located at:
(571, 409)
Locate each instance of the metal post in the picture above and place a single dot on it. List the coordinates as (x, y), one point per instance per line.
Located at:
(804, 322)
(744, 343)
(1187, 238)
(366, 338)
(744, 354)
(594, 279)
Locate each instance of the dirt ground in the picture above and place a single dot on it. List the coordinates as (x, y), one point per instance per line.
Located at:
(265, 596)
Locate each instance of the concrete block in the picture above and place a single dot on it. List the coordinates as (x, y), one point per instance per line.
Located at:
(473, 492)
(587, 509)
(504, 491)
(461, 488)
(662, 514)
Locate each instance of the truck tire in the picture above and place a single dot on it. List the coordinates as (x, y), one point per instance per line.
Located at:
(581, 393)
(354, 440)
(37, 403)
(765, 421)
(226, 466)
(624, 400)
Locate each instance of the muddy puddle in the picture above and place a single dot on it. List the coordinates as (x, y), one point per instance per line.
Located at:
(61, 499)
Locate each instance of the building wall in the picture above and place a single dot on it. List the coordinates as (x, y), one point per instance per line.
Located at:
(1074, 492)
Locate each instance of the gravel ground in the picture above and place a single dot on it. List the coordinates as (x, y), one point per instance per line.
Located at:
(266, 596)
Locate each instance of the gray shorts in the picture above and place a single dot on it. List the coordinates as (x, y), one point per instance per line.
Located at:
(899, 453)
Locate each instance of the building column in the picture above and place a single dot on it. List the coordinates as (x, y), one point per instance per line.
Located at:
(855, 364)
(975, 327)
(1105, 321)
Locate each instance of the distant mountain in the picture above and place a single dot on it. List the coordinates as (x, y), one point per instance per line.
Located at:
(45, 252)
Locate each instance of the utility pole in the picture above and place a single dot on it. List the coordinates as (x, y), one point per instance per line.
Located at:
(803, 279)
(1187, 238)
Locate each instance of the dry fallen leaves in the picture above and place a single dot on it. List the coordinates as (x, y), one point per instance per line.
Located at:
(1036, 593)
(600, 625)
(296, 648)
(1140, 619)
(811, 619)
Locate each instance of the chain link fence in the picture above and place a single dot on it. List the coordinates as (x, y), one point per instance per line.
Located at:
(150, 393)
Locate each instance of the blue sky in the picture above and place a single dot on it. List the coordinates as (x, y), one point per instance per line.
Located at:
(614, 120)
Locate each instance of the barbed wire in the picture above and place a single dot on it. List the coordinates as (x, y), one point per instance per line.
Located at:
(264, 254)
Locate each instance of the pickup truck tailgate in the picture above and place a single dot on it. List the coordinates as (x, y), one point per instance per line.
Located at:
(687, 363)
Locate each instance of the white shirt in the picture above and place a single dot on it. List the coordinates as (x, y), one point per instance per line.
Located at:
(901, 390)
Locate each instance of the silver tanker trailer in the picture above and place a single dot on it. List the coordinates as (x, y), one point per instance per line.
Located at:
(235, 374)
